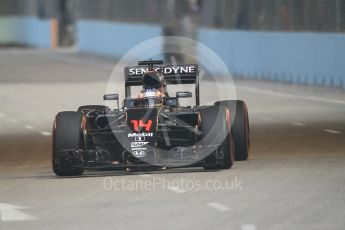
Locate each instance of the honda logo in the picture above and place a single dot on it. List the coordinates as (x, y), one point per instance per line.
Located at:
(139, 153)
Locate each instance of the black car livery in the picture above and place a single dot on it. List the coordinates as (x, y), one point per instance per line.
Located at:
(152, 130)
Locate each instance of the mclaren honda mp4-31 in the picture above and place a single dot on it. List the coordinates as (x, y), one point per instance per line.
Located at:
(151, 130)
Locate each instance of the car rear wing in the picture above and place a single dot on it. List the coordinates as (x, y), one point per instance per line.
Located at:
(173, 74)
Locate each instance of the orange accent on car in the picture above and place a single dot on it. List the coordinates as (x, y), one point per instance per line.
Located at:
(138, 124)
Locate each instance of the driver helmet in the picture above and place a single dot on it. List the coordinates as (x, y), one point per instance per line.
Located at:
(153, 85)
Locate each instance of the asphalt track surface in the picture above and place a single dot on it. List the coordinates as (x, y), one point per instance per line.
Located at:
(294, 179)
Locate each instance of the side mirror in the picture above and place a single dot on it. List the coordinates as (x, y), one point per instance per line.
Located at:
(171, 102)
(183, 94)
(112, 97)
(109, 97)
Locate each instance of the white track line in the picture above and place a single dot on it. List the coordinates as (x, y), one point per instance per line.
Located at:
(12, 213)
(46, 133)
(299, 124)
(218, 206)
(144, 175)
(309, 98)
(268, 92)
(332, 131)
(82, 62)
(248, 227)
(177, 190)
(267, 118)
(15, 215)
(29, 127)
(12, 120)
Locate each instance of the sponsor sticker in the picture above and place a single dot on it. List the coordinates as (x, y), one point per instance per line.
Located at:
(138, 144)
(139, 138)
(139, 149)
(187, 69)
(167, 70)
(140, 134)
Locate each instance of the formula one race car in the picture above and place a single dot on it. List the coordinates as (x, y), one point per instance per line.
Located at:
(153, 130)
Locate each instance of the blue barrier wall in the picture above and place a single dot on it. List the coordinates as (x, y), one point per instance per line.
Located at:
(308, 58)
(114, 39)
(29, 31)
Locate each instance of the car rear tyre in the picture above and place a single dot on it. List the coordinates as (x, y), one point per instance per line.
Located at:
(216, 130)
(87, 108)
(67, 134)
(240, 127)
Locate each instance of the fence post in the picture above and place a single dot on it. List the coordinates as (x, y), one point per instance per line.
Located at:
(54, 33)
